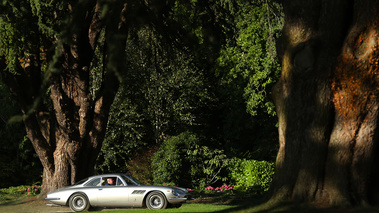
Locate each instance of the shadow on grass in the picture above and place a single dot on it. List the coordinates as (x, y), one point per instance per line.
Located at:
(262, 206)
(11, 200)
(249, 203)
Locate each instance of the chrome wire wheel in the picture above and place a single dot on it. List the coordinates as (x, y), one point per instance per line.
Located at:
(79, 202)
(156, 200)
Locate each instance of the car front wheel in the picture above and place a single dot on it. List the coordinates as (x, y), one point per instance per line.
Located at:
(79, 202)
(156, 200)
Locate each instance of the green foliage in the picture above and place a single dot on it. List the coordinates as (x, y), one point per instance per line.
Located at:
(162, 94)
(207, 165)
(251, 175)
(13, 193)
(23, 21)
(249, 59)
(165, 83)
(124, 135)
(170, 163)
(168, 86)
(183, 161)
(22, 190)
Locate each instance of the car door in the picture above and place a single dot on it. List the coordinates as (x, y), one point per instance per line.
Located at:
(91, 189)
(114, 195)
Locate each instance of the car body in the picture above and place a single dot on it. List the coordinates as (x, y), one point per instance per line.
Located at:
(126, 192)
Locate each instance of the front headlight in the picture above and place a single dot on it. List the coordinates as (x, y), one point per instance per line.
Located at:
(177, 192)
(174, 192)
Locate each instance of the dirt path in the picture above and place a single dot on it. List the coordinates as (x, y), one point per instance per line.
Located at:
(31, 205)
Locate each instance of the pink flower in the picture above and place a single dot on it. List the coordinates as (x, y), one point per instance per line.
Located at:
(209, 188)
(189, 189)
(28, 193)
(28, 189)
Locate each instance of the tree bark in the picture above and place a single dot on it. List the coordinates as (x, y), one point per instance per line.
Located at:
(68, 137)
(327, 103)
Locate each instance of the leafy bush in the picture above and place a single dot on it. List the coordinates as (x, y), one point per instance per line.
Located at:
(183, 161)
(170, 164)
(207, 165)
(22, 190)
(251, 175)
(14, 190)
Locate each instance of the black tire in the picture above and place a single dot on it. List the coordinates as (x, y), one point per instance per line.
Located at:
(156, 200)
(176, 205)
(78, 202)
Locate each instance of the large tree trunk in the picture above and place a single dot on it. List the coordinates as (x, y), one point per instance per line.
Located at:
(327, 103)
(68, 138)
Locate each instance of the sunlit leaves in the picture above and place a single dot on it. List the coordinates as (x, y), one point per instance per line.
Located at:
(251, 55)
(21, 22)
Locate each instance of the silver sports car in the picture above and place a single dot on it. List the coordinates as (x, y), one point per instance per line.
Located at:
(116, 190)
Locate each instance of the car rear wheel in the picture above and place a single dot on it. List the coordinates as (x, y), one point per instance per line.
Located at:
(156, 200)
(78, 202)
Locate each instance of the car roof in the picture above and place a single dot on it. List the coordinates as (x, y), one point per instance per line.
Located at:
(106, 175)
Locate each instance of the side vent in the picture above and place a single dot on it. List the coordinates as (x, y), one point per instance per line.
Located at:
(138, 192)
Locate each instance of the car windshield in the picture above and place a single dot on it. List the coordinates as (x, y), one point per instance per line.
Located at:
(129, 180)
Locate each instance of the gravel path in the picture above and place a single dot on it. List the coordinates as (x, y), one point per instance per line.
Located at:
(30, 206)
(33, 205)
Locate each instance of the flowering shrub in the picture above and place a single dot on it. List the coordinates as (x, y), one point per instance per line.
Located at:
(28, 190)
(222, 188)
(33, 190)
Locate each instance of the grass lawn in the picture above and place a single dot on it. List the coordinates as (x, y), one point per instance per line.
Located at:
(185, 208)
(241, 203)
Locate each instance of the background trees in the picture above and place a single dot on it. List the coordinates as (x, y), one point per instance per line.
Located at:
(203, 66)
(171, 89)
(180, 66)
(46, 54)
(174, 88)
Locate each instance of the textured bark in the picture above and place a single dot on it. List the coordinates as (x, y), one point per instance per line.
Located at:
(327, 103)
(68, 138)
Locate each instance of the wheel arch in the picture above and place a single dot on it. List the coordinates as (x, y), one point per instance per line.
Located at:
(147, 194)
(80, 192)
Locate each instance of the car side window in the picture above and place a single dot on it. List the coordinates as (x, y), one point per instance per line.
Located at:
(119, 182)
(128, 181)
(94, 182)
